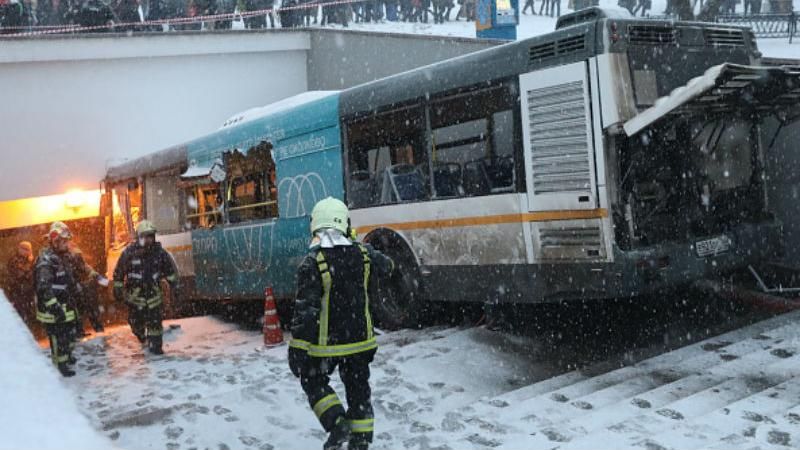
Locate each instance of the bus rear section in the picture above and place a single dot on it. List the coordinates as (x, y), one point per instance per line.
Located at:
(609, 194)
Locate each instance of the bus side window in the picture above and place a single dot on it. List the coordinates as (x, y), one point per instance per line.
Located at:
(163, 202)
(251, 193)
(388, 158)
(126, 208)
(203, 206)
(472, 136)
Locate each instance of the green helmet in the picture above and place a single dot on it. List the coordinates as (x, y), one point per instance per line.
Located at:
(145, 227)
(330, 213)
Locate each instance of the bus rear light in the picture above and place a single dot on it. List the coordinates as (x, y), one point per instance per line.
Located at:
(614, 32)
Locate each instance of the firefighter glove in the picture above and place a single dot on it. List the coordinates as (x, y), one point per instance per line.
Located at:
(58, 312)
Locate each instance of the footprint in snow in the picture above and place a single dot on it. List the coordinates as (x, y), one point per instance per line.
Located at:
(671, 413)
(173, 432)
(778, 437)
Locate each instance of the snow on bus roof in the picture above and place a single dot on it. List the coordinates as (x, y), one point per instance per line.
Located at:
(725, 84)
(272, 108)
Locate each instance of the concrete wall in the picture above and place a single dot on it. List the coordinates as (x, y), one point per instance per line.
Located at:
(69, 105)
(339, 60)
(72, 104)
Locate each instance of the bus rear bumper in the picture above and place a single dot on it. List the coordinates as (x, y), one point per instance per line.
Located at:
(654, 269)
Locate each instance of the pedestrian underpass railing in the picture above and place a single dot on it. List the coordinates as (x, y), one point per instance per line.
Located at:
(772, 25)
(765, 25)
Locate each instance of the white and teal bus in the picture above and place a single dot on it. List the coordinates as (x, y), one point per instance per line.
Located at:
(610, 158)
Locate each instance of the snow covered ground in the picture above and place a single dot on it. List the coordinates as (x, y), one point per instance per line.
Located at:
(446, 388)
(218, 387)
(534, 25)
(38, 411)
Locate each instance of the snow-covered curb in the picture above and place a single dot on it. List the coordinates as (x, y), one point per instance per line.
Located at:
(38, 411)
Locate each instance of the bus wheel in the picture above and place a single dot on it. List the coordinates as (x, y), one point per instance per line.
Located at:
(399, 303)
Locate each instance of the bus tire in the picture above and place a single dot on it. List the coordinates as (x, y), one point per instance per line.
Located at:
(399, 302)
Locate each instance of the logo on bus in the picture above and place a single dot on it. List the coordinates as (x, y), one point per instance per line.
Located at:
(300, 193)
(249, 247)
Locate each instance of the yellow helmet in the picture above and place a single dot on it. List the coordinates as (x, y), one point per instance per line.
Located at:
(145, 227)
(330, 213)
(59, 230)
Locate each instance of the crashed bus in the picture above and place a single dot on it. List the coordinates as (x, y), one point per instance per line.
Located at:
(611, 158)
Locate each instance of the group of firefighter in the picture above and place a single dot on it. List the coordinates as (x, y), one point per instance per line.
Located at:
(62, 282)
(331, 324)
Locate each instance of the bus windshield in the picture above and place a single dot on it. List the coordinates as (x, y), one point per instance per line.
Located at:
(724, 149)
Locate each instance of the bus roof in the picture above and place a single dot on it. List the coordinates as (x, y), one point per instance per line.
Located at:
(490, 64)
(205, 149)
(273, 108)
(575, 40)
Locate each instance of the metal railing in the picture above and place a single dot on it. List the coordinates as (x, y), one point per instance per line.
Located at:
(765, 25)
(772, 25)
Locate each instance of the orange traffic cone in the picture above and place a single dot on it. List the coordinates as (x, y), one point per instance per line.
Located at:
(273, 335)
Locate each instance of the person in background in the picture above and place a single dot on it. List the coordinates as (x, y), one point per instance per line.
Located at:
(528, 4)
(19, 281)
(12, 16)
(128, 13)
(87, 300)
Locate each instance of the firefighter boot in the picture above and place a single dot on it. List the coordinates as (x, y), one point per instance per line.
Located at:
(154, 343)
(339, 435)
(65, 370)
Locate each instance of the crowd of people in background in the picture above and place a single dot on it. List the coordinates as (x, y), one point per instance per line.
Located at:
(138, 15)
(132, 15)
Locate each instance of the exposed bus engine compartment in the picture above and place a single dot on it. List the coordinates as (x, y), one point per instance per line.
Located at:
(692, 165)
(687, 177)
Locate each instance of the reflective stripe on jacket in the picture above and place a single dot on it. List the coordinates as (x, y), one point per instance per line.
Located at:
(332, 315)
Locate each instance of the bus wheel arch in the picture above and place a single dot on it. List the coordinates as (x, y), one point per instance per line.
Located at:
(400, 301)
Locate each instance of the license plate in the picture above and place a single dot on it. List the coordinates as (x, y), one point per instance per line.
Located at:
(713, 246)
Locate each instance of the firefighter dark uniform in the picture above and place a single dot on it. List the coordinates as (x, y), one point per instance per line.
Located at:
(86, 301)
(56, 291)
(137, 277)
(332, 326)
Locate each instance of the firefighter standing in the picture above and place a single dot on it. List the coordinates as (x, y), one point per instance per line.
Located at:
(137, 278)
(56, 292)
(332, 326)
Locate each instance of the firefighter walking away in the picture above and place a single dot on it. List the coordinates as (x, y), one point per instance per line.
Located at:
(56, 294)
(137, 283)
(332, 326)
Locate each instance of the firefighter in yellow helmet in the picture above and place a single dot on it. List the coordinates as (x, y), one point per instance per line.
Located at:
(137, 283)
(332, 325)
(56, 294)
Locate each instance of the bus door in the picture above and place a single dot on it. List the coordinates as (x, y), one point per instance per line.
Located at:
(564, 211)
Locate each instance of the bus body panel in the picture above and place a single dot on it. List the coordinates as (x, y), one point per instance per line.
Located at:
(180, 247)
(240, 261)
(454, 232)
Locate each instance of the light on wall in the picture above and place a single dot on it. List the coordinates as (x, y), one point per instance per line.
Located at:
(74, 199)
